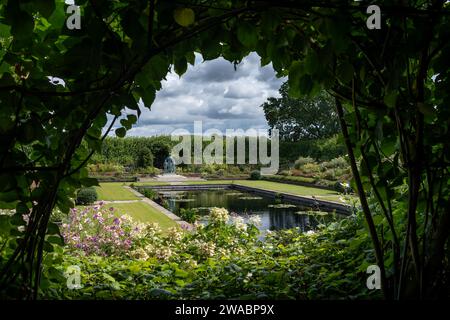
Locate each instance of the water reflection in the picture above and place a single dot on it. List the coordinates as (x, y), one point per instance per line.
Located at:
(274, 215)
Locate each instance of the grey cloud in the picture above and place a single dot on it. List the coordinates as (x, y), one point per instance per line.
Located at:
(214, 93)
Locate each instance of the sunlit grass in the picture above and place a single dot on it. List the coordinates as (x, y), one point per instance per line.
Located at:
(143, 212)
(111, 191)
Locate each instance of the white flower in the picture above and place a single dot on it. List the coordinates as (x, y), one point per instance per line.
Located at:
(207, 248)
(150, 249)
(219, 215)
(163, 254)
(192, 263)
(310, 232)
(239, 223)
(152, 229)
(139, 254)
(174, 234)
(198, 226)
(255, 220)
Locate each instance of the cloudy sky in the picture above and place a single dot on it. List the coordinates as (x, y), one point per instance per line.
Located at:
(213, 92)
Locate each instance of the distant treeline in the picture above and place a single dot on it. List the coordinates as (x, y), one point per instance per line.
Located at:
(130, 150)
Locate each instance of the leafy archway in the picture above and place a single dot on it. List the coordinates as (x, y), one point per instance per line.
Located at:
(389, 85)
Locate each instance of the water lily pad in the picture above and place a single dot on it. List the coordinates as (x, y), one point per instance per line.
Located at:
(204, 208)
(234, 193)
(282, 206)
(183, 200)
(250, 198)
(312, 213)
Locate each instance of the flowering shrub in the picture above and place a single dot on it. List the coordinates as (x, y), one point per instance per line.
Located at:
(217, 260)
(218, 215)
(98, 230)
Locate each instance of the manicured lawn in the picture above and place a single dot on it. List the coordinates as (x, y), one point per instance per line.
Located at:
(294, 189)
(111, 191)
(114, 191)
(269, 185)
(284, 187)
(141, 211)
(279, 187)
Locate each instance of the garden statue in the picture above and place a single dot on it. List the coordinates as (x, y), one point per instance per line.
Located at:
(169, 165)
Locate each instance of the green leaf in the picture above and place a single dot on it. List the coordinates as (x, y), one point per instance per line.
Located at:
(108, 277)
(426, 109)
(58, 17)
(153, 72)
(52, 228)
(22, 25)
(305, 84)
(22, 208)
(48, 247)
(390, 99)
(184, 16)
(179, 273)
(180, 66)
(45, 7)
(269, 22)
(312, 63)
(247, 35)
(132, 119)
(345, 71)
(55, 240)
(147, 95)
(295, 72)
(125, 123)
(121, 132)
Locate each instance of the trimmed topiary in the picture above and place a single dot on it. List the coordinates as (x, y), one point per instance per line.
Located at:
(255, 175)
(86, 196)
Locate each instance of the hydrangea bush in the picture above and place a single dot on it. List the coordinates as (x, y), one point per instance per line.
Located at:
(222, 259)
(99, 230)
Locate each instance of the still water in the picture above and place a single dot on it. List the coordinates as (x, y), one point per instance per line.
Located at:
(274, 214)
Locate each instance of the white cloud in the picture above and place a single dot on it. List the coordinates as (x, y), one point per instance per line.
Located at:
(214, 92)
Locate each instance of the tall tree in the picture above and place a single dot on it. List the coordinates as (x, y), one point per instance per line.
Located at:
(302, 118)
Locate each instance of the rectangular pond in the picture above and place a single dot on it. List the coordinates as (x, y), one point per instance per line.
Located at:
(275, 214)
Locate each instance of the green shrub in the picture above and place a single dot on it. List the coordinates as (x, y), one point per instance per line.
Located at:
(152, 171)
(310, 168)
(188, 215)
(149, 193)
(285, 173)
(220, 260)
(300, 162)
(336, 163)
(86, 196)
(144, 158)
(234, 170)
(57, 216)
(318, 149)
(121, 178)
(255, 175)
(105, 167)
(204, 174)
(329, 174)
